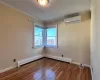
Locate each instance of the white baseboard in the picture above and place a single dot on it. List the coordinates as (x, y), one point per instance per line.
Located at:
(91, 72)
(24, 61)
(7, 69)
(77, 63)
(59, 58)
(66, 60)
(21, 62)
(87, 65)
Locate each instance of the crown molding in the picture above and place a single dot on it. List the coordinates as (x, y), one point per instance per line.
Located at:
(6, 4)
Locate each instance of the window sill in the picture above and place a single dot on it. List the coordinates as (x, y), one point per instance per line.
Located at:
(51, 46)
(37, 47)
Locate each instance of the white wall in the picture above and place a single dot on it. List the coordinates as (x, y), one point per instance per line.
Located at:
(73, 42)
(16, 37)
(95, 39)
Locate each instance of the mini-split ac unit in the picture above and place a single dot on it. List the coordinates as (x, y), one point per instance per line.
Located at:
(74, 19)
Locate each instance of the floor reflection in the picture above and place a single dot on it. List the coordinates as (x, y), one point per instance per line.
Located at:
(44, 74)
(48, 69)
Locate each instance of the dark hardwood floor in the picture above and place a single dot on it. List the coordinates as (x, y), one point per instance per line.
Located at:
(47, 69)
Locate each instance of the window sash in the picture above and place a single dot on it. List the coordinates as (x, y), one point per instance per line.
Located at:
(44, 38)
(56, 38)
(38, 36)
(38, 40)
(52, 41)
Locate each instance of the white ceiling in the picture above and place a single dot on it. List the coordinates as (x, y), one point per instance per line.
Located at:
(56, 8)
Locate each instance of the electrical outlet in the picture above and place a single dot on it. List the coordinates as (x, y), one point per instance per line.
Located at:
(62, 55)
(81, 64)
(14, 60)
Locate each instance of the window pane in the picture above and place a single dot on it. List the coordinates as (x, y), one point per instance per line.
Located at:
(38, 36)
(51, 32)
(38, 41)
(38, 31)
(51, 37)
(45, 37)
(51, 41)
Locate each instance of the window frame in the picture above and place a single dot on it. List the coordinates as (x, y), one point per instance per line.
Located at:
(51, 46)
(44, 36)
(38, 26)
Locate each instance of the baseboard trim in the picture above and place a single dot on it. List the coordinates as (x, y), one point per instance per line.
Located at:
(77, 63)
(25, 61)
(91, 72)
(22, 62)
(86, 65)
(7, 69)
(91, 69)
(59, 58)
(66, 60)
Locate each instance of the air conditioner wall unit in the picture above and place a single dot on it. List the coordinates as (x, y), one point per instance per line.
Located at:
(74, 19)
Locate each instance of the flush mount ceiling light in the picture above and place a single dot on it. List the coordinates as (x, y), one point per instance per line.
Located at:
(43, 2)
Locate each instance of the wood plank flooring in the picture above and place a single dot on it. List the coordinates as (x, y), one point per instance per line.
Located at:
(47, 69)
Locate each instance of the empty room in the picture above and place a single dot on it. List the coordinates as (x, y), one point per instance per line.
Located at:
(49, 39)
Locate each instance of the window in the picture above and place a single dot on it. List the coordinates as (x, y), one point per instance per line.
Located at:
(51, 37)
(45, 37)
(38, 36)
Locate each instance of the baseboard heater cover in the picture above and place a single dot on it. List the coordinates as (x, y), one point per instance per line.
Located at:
(25, 61)
(66, 60)
(60, 58)
(7, 69)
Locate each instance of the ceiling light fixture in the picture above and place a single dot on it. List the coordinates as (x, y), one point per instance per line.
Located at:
(43, 2)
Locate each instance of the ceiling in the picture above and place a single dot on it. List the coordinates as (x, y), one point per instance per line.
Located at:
(56, 8)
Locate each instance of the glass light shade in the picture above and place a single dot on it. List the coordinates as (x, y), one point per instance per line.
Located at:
(43, 2)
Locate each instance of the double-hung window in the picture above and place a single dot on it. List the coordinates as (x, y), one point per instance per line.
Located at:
(45, 37)
(51, 37)
(38, 36)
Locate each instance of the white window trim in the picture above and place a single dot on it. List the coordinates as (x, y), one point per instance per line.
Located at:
(44, 35)
(33, 44)
(47, 46)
